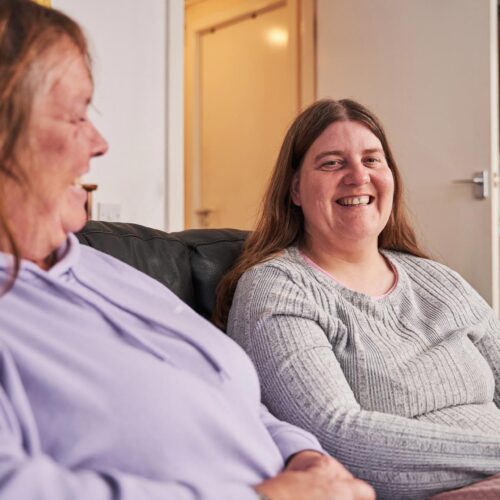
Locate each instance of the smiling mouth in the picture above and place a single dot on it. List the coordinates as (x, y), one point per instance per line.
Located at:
(355, 201)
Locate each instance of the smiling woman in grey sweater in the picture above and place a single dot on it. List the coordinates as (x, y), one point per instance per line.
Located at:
(391, 359)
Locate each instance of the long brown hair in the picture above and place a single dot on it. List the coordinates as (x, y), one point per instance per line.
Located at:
(281, 222)
(28, 32)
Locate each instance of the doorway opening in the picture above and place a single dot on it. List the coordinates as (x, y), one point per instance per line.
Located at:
(249, 69)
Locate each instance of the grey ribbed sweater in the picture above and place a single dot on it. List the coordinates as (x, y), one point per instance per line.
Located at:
(404, 390)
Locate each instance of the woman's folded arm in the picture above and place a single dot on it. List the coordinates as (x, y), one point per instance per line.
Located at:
(302, 381)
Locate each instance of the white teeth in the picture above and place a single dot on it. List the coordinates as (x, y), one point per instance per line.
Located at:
(356, 200)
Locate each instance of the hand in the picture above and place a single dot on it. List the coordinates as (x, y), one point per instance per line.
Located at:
(306, 459)
(314, 476)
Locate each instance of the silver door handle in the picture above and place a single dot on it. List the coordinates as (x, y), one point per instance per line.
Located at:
(481, 184)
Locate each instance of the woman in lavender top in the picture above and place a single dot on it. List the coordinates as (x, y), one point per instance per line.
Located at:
(111, 387)
(391, 359)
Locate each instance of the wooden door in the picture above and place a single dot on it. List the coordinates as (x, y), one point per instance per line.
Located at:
(245, 84)
(429, 70)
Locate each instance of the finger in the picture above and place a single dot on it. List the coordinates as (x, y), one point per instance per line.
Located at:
(336, 470)
(340, 471)
(362, 490)
(353, 489)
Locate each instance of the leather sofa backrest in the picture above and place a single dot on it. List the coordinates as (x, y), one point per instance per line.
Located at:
(190, 263)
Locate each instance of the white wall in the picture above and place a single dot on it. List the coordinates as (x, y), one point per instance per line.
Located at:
(131, 43)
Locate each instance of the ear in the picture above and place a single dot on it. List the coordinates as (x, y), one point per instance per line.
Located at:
(295, 188)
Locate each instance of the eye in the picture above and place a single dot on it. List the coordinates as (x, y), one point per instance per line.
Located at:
(372, 161)
(78, 119)
(331, 165)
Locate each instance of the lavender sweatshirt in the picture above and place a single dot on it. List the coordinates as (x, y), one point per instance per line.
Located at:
(112, 388)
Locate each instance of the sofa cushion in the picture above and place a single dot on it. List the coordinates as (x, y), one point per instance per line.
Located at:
(212, 253)
(156, 253)
(190, 263)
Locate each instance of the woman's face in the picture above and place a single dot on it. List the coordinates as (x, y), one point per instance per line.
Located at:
(344, 187)
(61, 142)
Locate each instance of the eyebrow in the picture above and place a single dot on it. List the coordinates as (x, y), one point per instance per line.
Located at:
(373, 150)
(338, 152)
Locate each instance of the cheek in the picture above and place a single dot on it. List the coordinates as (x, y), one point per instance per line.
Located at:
(314, 188)
(50, 146)
(390, 189)
(386, 186)
(49, 176)
(52, 161)
(317, 207)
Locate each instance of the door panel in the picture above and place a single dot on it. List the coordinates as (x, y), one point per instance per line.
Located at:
(248, 97)
(249, 69)
(429, 71)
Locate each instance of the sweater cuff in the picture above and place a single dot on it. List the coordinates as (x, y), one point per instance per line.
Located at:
(291, 442)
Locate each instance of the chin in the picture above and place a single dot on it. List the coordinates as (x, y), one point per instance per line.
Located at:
(74, 221)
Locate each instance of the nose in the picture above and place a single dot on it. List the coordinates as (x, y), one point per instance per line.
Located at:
(357, 174)
(99, 145)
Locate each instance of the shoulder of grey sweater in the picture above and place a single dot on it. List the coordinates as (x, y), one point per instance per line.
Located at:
(440, 275)
(283, 267)
(259, 295)
(281, 285)
(440, 282)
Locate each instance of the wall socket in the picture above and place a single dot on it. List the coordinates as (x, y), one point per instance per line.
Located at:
(109, 212)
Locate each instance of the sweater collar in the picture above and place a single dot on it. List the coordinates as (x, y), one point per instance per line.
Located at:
(357, 298)
(67, 255)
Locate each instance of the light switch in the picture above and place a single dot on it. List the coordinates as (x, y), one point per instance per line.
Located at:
(109, 212)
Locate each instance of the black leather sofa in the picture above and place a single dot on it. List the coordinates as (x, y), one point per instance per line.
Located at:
(190, 263)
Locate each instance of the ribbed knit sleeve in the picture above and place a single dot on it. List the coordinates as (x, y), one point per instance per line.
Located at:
(317, 374)
(489, 346)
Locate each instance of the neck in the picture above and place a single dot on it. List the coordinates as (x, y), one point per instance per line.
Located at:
(359, 267)
(30, 248)
(359, 253)
(30, 225)
(29, 231)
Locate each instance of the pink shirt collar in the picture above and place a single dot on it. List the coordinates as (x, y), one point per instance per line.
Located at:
(393, 268)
